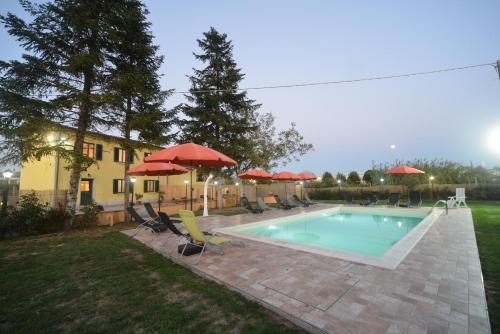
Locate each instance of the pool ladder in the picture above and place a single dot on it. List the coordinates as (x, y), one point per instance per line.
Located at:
(441, 202)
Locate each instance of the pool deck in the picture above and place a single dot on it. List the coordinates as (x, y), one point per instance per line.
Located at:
(437, 288)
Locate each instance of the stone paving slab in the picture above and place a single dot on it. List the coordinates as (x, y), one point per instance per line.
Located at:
(437, 288)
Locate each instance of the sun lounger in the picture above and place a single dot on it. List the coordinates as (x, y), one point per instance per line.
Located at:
(295, 200)
(307, 199)
(147, 224)
(414, 200)
(199, 239)
(459, 198)
(154, 215)
(348, 199)
(393, 200)
(372, 200)
(262, 204)
(246, 204)
(281, 205)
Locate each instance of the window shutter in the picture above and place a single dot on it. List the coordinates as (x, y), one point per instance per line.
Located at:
(98, 153)
(117, 154)
(115, 186)
(157, 186)
(145, 186)
(131, 156)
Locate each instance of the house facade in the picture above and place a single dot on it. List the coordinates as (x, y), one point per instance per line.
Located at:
(103, 181)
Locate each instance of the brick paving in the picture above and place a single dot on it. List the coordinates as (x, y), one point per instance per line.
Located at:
(437, 288)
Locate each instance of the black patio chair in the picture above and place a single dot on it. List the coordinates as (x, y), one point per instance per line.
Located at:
(372, 200)
(281, 205)
(262, 205)
(393, 199)
(147, 224)
(246, 203)
(414, 200)
(308, 200)
(155, 215)
(348, 199)
(299, 201)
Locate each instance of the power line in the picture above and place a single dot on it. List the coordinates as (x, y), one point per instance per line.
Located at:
(343, 81)
(394, 76)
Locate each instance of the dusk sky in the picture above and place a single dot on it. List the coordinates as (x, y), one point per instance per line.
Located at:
(445, 115)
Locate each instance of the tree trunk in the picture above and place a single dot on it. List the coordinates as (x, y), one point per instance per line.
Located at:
(76, 163)
(126, 134)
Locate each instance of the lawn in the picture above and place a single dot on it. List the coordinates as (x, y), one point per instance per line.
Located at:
(486, 216)
(103, 281)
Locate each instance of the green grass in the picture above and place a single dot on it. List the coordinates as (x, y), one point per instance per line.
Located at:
(93, 282)
(486, 216)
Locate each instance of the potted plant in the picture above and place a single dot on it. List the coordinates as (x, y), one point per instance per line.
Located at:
(138, 199)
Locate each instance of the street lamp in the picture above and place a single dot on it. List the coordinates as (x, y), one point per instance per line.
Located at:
(237, 192)
(431, 178)
(339, 182)
(5, 198)
(186, 196)
(133, 180)
(301, 187)
(382, 183)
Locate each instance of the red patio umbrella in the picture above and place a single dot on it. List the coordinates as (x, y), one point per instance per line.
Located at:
(306, 176)
(404, 170)
(286, 176)
(191, 154)
(157, 169)
(255, 174)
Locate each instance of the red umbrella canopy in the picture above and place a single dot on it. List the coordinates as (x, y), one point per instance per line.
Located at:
(404, 170)
(255, 174)
(307, 176)
(286, 176)
(192, 154)
(157, 169)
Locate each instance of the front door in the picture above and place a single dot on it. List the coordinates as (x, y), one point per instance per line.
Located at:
(86, 186)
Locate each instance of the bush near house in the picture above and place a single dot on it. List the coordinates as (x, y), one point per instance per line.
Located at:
(32, 218)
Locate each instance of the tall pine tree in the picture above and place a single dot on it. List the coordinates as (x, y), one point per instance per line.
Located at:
(134, 83)
(218, 115)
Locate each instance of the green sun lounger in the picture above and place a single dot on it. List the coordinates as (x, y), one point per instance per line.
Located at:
(198, 238)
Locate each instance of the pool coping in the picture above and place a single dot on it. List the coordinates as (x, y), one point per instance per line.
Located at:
(389, 260)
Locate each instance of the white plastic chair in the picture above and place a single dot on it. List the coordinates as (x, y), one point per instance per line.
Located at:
(459, 198)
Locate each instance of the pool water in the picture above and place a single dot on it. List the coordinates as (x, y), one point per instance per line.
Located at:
(354, 232)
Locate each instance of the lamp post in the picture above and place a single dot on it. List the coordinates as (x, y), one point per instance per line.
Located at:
(5, 198)
(339, 182)
(132, 180)
(56, 141)
(237, 192)
(431, 178)
(301, 187)
(382, 183)
(186, 195)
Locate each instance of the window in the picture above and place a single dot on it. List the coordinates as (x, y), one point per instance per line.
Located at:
(151, 186)
(88, 150)
(118, 186)
(93, 151)
(121, 155)
(84, 185)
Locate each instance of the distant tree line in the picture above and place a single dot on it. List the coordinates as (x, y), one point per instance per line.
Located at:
(442, 172)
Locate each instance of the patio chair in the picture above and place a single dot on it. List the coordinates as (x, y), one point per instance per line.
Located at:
(199, 239)
(262, 204)
(154, 215)
(147, 224)
(414, 200)
(307, 199)
(372, 200)
(348, 199)
(295, 200)
(459, 198)
(281, 205)
(246, 204)
(393, 200)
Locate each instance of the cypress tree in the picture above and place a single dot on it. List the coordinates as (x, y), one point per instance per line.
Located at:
(217, 115)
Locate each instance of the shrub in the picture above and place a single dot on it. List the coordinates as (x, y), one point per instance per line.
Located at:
(88, 216)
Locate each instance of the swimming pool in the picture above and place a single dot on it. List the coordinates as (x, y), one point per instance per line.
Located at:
(351, 233)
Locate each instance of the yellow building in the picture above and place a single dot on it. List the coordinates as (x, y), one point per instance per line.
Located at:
(103, 181)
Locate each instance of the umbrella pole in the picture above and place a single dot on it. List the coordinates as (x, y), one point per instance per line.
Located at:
(191, 185)
(159, 206)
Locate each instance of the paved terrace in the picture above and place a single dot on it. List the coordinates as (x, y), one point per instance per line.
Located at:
(437, 288)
